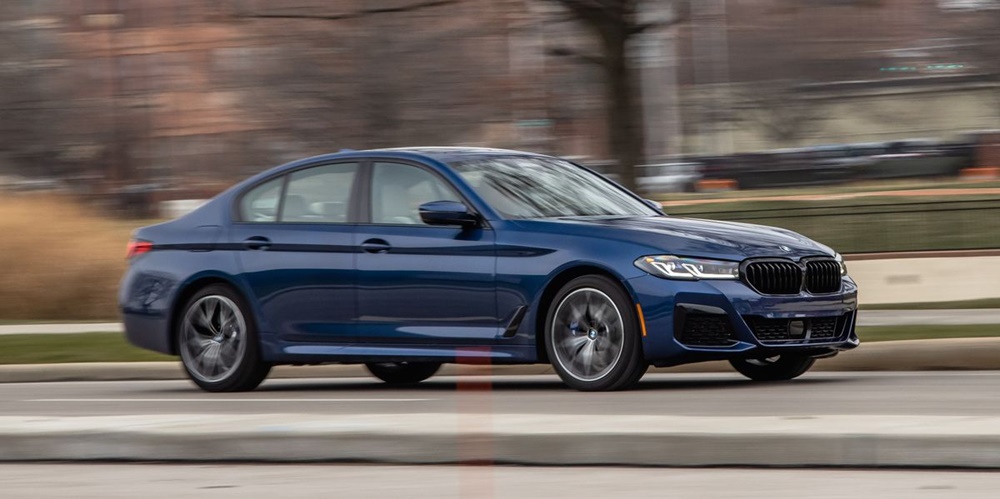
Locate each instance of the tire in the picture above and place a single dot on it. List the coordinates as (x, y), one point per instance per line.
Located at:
(594, 314)
(403, 373)
(217, 320)
(777, 368)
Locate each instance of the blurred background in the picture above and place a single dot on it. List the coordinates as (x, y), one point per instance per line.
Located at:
(870, 125)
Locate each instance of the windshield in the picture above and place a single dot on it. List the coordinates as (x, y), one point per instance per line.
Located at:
(538, 187)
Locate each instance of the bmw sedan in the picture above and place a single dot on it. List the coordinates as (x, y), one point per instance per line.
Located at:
(405, 259)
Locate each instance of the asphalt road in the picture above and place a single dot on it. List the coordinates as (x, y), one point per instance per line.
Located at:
(152, 481)
(835, 393)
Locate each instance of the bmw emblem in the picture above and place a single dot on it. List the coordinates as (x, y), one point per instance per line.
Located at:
(786, 249)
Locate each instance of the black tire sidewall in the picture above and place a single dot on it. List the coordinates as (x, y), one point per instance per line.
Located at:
(787, 367)
(410, 373)
(627, 371)
(251, 371)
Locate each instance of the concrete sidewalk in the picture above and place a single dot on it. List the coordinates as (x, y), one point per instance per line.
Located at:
(62, 328)
(865, 318)
(957, 354)
(629, 440)
(800, 440)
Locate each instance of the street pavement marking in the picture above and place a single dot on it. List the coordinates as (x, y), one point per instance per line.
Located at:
(270, 400)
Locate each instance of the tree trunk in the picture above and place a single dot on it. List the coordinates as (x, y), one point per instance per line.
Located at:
(625, 126)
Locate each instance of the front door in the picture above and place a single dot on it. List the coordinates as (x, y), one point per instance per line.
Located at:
(420, 284)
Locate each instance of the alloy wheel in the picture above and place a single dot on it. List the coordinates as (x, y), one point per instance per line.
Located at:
(214, 338)
(587, 334)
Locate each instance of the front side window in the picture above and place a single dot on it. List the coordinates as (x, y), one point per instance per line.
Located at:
(398, 190)
(538, 187)
(320, 194)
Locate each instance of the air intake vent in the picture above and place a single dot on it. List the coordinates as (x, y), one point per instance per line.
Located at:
(706, 330)
(774, 278)
(798, 331)
(822, 276)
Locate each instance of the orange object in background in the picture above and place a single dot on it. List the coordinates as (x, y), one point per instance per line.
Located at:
(984, 173)
(987, 150)
(722, 184)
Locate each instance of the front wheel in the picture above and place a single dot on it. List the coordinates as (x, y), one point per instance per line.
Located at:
(403, 373)
(774, 368)
(593, 337)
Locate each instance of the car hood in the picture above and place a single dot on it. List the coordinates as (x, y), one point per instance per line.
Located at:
(696, 237)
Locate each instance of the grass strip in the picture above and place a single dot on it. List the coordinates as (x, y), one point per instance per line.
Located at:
(112, 347)
(66, 348)
(941, 305)
(898, 333)
(850, 188)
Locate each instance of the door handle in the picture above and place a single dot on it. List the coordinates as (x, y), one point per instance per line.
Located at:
(375, 246)
(257, 243)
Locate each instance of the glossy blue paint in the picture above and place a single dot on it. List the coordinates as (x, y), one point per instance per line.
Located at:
(357, 291)
(431, 285)
(304, 282)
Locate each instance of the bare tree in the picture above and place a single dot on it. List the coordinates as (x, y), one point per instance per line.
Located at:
(780, 109)
(25, 109)
(615, 24)
(985, 36)
(372, 77)
(44, 129)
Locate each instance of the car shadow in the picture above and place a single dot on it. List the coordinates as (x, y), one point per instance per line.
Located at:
(542, 384)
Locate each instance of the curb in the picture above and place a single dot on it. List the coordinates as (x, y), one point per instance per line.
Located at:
(841, 441)
(975, 354)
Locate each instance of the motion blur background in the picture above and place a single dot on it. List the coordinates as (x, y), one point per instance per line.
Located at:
(870, 125)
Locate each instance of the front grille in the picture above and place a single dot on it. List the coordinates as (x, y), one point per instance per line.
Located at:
(822, 276)
(706, 330)
(774, 278)
(813, 330)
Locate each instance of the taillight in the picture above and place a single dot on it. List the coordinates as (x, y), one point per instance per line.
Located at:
(137, 247)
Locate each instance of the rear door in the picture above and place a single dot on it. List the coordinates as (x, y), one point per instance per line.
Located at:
(297, 256)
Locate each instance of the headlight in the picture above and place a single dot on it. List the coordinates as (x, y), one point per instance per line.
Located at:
(843, 266)
(688, 269)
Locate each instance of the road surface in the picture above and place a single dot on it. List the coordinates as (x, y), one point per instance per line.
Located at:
(975, 393)
(153, 481)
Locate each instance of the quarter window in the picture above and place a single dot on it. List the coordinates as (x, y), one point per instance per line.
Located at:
(398, 190)
(261, 203)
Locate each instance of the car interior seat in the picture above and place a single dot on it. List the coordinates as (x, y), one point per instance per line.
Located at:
(394, 205)
(295, 209)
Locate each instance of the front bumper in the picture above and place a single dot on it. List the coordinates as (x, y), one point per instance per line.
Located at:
(665, 302)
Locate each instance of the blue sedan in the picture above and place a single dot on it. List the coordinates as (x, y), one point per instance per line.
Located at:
(404, 259)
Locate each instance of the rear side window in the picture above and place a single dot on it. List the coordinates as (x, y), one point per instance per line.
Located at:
(319, 195)
(261, 203)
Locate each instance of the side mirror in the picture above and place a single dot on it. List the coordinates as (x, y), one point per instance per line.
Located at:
(448, 213)
(654, 205)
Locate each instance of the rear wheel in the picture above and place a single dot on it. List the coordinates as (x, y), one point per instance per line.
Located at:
(403, 373)
(774, 368)
(217, 342)
(592, 336)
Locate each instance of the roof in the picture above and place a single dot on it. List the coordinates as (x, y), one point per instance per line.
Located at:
(440, 154)
(448, 154)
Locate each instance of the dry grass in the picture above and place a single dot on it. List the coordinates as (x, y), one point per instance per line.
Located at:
(58, 259)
